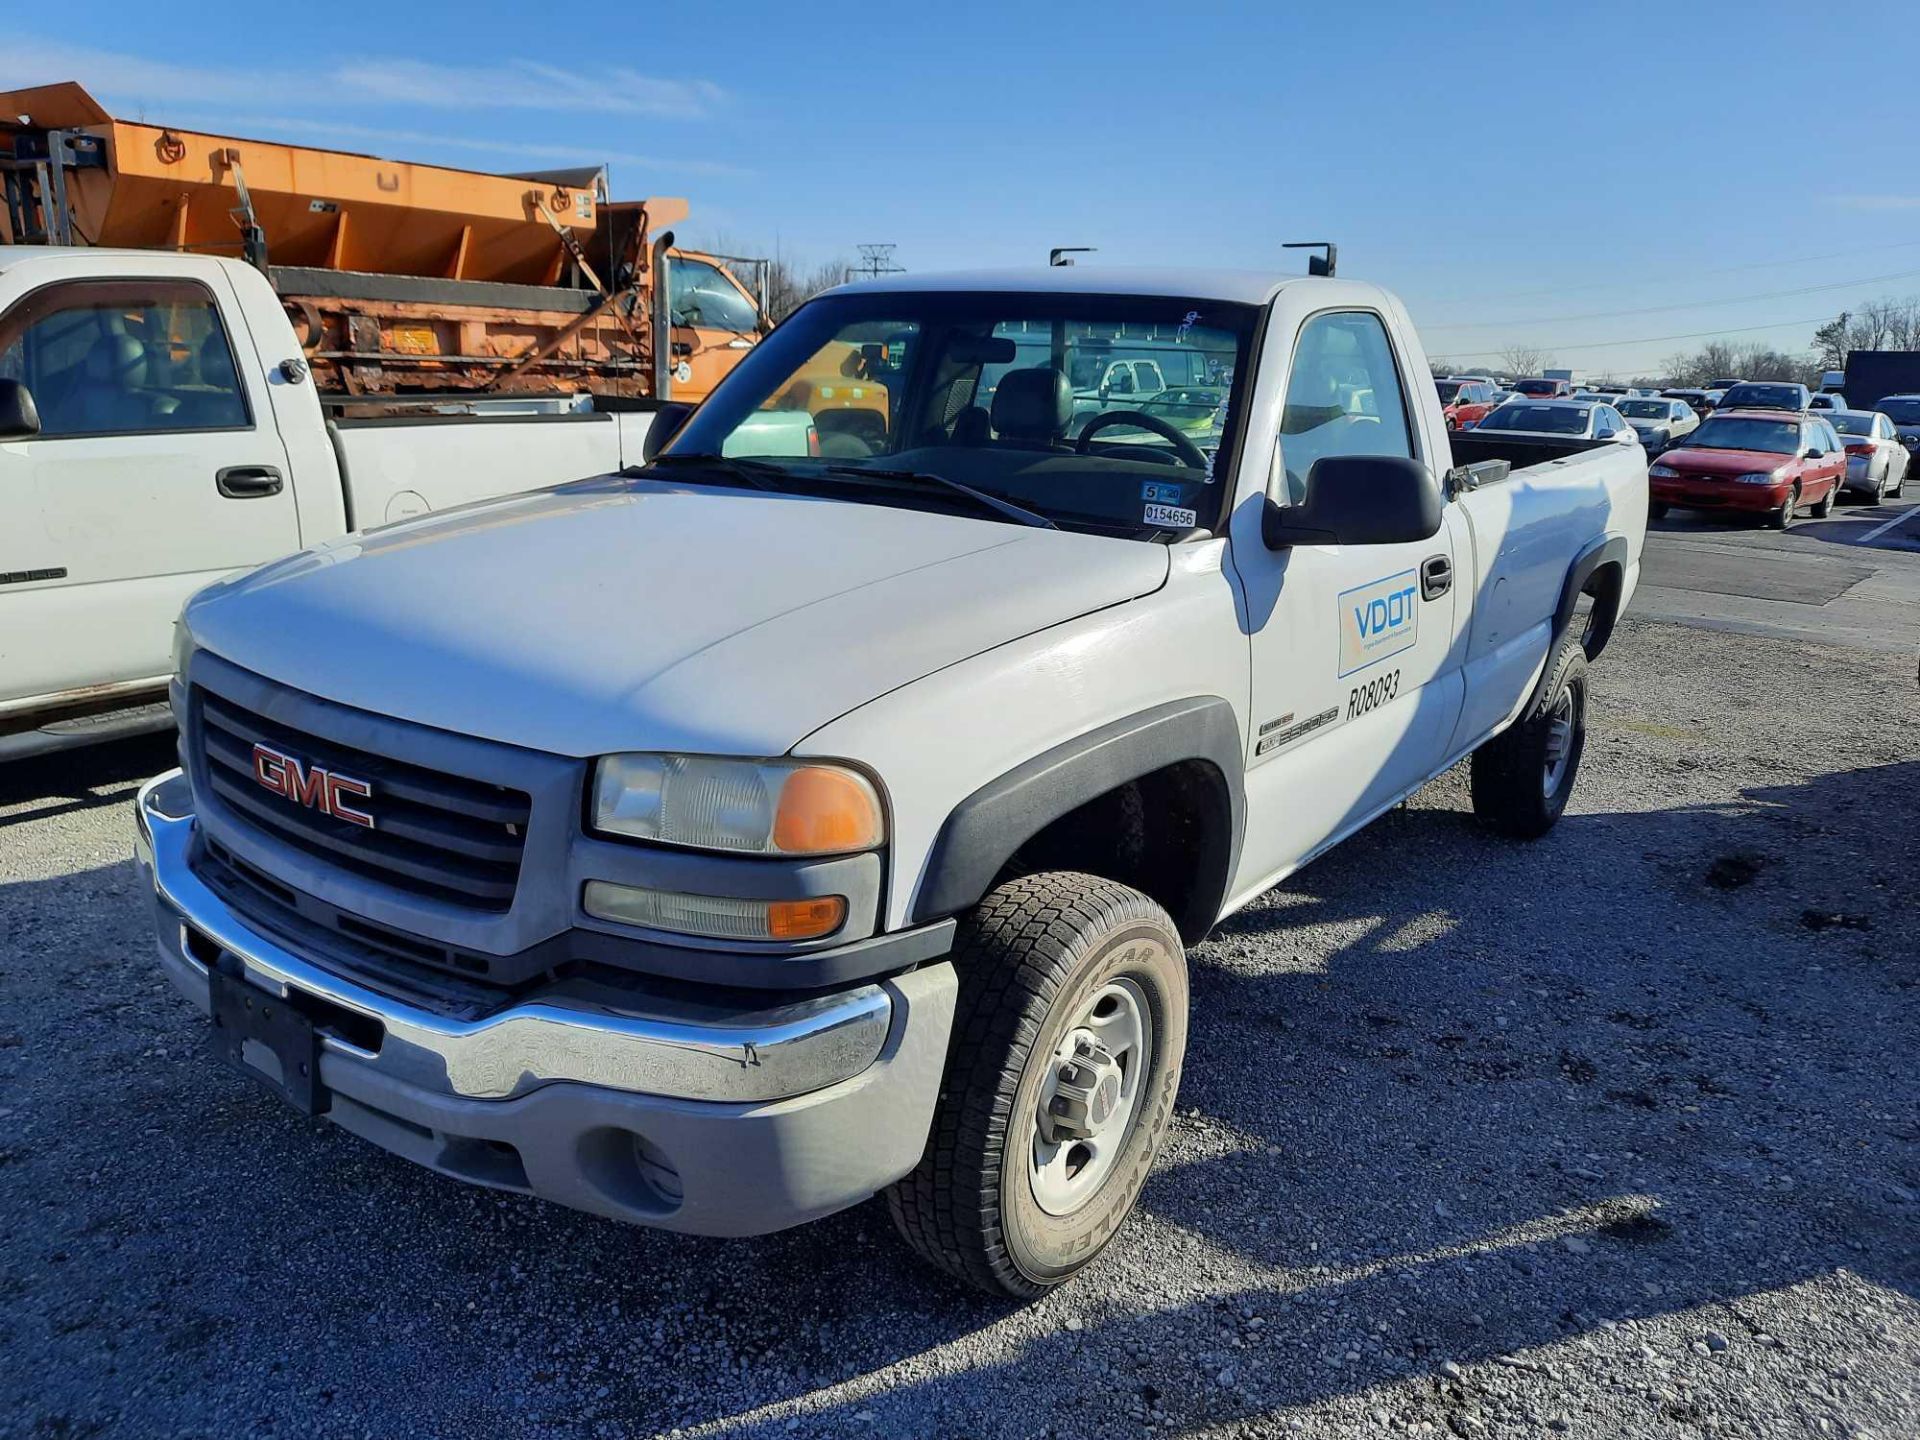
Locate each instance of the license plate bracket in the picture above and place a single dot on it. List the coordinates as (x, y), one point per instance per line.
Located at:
(243, 1012)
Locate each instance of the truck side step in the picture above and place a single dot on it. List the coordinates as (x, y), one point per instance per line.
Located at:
(149, 719)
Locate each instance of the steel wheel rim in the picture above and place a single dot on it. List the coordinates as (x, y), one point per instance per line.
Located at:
(1559, 741)
(1064, 1170)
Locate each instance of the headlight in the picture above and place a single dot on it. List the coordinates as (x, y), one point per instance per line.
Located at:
(1761, 477)
(755, 807)
(1663, 472)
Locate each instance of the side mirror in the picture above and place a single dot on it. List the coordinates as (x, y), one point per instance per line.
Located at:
(1357, 500)
(19, 416)
(668, 421)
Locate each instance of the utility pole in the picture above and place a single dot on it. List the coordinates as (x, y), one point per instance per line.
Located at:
(876, 260)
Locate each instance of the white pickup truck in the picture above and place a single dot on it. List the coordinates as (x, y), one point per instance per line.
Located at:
(158, 429)
(718, 844)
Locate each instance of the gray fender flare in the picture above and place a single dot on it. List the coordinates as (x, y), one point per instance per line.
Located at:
(985, 830)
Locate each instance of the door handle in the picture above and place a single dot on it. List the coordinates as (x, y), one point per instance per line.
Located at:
(1436, 577)
(249, 482)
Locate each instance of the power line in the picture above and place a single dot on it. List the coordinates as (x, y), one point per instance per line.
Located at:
(1643, 340)
(1667, 309)
(1618, 282)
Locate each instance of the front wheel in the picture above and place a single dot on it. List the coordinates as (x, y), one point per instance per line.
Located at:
(1067, 1042)
(1658, 510)
(1522, 777)
(1788, 512)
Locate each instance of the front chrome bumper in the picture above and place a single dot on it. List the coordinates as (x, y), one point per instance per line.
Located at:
(666, 1112)
(656, 1048)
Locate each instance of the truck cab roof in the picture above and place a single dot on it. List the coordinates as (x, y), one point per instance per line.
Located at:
(1245, 287)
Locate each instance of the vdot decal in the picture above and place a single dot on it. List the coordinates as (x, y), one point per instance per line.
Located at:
(1377, 620)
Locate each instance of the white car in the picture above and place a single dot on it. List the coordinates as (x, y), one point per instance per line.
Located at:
(1876, 457)
(1659, 422)
(716, 845)
(1560, 420)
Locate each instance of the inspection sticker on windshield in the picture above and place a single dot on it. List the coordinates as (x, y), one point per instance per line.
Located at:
(1171, 515)
(1155, 491)
(1378, 620)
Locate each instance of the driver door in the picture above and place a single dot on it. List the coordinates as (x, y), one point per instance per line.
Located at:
(1356, 688)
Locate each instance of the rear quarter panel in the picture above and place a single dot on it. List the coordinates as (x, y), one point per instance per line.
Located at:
(1527, 531)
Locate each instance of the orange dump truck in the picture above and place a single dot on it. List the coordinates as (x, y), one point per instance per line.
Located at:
(400, 279)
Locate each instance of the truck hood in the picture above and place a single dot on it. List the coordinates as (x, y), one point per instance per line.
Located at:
(620, 614)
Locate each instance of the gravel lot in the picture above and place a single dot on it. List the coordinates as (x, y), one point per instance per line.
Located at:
(1613, 1135)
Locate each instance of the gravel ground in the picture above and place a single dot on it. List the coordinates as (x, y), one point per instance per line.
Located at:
(1611, 1135)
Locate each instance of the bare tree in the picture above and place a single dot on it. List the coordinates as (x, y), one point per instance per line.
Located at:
(1526, 359)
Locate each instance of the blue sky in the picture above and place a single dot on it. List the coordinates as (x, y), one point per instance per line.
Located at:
(1517, 173)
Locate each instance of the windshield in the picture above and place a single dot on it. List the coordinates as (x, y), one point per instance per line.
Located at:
(1766, 397)
(1734, 432)
(1448, 389)
(1644, 409)
(1902, 412)
(1536, 387)
(1550, 419)
(1062, 404)
(1852, 422)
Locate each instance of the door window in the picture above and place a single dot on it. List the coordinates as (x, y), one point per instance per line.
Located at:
(123, 357)
(701, 296)
(1343, 396)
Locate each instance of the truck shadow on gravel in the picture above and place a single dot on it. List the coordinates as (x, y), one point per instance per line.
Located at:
(1492, 1097)
(75, 780)
(1446, 1098)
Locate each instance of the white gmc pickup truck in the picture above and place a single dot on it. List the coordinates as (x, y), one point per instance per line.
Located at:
(717, 844)
(158, 429)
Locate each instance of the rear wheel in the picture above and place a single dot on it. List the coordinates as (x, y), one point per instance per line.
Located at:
(1522, 777)
(1067, 1041)
(1827, 502)
(1788, 512)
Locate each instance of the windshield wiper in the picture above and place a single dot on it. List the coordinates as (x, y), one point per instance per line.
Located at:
(755, 474)
(991, 501)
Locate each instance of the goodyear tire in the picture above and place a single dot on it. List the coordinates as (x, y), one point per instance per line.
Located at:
(1523, 776)
(1070, 1029)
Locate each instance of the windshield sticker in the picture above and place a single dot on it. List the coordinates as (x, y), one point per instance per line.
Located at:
(1155, 491)
(1171, 515)
(1378, 620)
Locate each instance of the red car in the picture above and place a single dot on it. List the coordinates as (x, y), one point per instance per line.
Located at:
(1544, 389)
(1465, 403)
(1761, 462)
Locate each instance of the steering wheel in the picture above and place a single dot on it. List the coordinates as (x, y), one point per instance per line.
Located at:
(1190, 454)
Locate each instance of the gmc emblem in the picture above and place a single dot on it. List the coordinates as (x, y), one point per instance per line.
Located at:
(313, 786)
